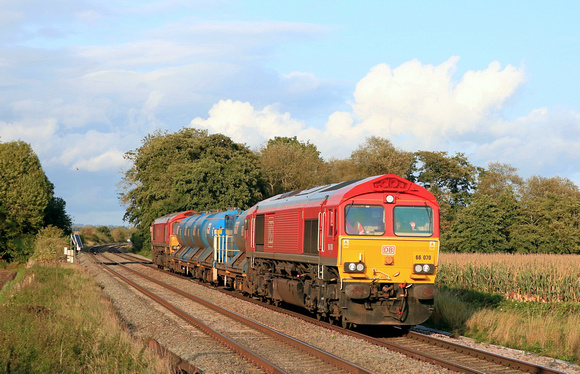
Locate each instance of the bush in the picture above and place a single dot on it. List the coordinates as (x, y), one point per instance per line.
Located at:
(88, 234)
(103, 234)
(120, 234)
(49, 245)
(137, 242)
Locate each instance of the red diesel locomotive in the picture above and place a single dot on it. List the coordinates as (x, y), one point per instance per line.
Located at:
(360, 252)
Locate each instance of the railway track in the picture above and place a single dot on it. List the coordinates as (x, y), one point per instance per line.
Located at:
(450, 355)
(268, 349)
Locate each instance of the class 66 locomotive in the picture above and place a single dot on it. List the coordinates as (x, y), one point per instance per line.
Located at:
(361, 252)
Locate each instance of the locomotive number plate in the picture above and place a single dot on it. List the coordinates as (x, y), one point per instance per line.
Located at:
(388, 249)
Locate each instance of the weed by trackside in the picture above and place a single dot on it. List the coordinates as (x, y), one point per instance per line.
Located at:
(55, 319)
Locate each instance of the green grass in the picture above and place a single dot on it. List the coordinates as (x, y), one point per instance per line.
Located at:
(55, 319)
(145, 252)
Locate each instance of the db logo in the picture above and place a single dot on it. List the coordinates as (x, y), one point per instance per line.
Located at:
(388, 249)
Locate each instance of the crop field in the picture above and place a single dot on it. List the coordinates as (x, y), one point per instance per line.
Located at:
(529, 302)
(519, 277)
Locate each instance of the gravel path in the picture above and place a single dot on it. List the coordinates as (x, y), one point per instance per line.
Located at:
(145, 319)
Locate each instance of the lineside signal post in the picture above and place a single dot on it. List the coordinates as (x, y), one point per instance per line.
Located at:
(75, 246)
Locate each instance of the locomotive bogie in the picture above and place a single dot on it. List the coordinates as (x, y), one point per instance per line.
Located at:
(404, 306)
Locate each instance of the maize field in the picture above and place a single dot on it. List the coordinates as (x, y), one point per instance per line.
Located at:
(519, 277)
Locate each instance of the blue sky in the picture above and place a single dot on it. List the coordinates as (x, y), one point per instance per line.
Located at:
(85, 81)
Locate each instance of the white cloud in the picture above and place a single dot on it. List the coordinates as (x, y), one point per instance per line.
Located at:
(76, 112)
(301, 82)
(423, 101)
(536, 143)
(422, 107)
(243, 123)
(92, 151)
(37, 133)
(110, 160)
(414, 105)
(190, 41)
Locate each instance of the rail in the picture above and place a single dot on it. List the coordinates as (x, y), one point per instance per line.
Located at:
(297, 344)
(460, 353)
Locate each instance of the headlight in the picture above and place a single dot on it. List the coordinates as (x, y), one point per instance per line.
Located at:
(354, 267)
(424, 268)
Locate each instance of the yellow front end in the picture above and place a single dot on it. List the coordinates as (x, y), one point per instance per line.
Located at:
(173, 244)
(389, 259)
(387, 280)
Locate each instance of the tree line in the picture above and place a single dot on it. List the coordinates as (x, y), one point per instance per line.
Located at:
(482, 209)
(488, 209)
(27, 202)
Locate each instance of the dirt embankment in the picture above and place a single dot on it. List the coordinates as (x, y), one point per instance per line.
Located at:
(6, 276)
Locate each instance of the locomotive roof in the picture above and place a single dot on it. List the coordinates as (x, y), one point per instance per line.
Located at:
(172, 216)
(347, 190)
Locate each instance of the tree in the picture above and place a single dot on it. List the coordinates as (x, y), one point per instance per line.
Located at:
(550, 219)
(25, 192)
(188, 170)
(55, 215)
(485, 225)
(378, 156)
(497, 178)
(103, 234)
(340, 170)
(88, 234)
(289, 164)
(451, 179)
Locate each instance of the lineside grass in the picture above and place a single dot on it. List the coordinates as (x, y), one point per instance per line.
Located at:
(55, 319)
(528, 302)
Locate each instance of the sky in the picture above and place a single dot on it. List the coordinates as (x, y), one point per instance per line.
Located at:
(85, 81)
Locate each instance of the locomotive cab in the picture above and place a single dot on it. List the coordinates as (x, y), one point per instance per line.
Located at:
(388, 253)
